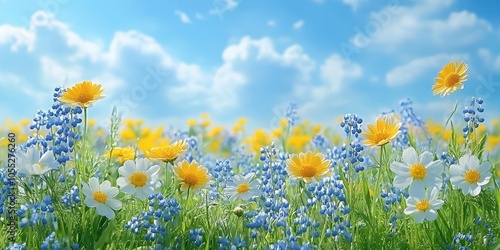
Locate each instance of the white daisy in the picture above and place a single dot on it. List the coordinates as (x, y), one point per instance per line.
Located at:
(138, 178)
(101, 197)
(418, 172)
(243, 187)
(469, 175)
(424, 207)
(31, 163)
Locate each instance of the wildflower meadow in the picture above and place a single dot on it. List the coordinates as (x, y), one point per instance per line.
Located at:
(395, 182)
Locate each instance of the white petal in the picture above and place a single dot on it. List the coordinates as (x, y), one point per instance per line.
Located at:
(105, 210)
(123, 172)
(94, 184)
(475, 190)
(86, 189)
(431, 215)
(464, 161)
(112, 192)
(456, 170)
(128, 189)
(473, 162)
(410, 156)
(435, 167)
(105, 185)
(152, 170)
(401, 182)
(485, 178)
(121, 181)
(129, 166)
(33, 155)
(437, 204)
(114, 204)
(90, 202)
(484, 167)
(410, 210)
(419, 217)
(425, 158)
(400, 169)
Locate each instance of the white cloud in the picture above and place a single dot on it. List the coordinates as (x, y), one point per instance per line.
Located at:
(183, 16)
(396, 26)
(408, 72)
(298, 25)
(353, 3)
(489, 59)
(335, 71)
(271, 23)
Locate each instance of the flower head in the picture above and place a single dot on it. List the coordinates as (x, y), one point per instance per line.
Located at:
(192, 175)
(31, 163)
(469, 175)
(417, 172)
(308, 166)
(82, 94)
(167, 153)
(424, 206)
(243, 187)
(450, 79)
(138, 178)
(385, 129)
(101, 196)
(123, 154)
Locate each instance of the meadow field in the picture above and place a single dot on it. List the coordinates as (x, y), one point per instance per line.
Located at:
(400, 181)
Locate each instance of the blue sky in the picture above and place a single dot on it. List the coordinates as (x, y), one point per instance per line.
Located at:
(168, 61)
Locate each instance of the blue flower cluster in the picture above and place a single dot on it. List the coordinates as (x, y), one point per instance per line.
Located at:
(62, 124)
(291, 114)
(275, 209)
(392, 196)
(462, 241)
(236, 243)
(54, 244)
(6, 190)
(71, 198)
(329, 193)
(408, 117)
(352, 124)
(155, 222)
(472, 118)
(16, 246)
(32, 214)
(222, 172)
(349, 155)
(196, 236)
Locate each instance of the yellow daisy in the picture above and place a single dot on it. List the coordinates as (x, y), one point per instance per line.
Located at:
(385, 129)
(123, 154)
(192, 175)
(450, 79)
(167, 153)
(82, 94)
(307, 166)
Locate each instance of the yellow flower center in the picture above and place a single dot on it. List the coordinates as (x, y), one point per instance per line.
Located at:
(40, 165)
(191, 180)
(498, 173)
(100, 197)
(138, 179)
(243, 188)
(472, 176)
(84, 97)
(308, 171)
(423, 205)
(451, 80)
(418, 171)
(381, 136)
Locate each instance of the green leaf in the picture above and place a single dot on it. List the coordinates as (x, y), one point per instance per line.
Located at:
(106, 235)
